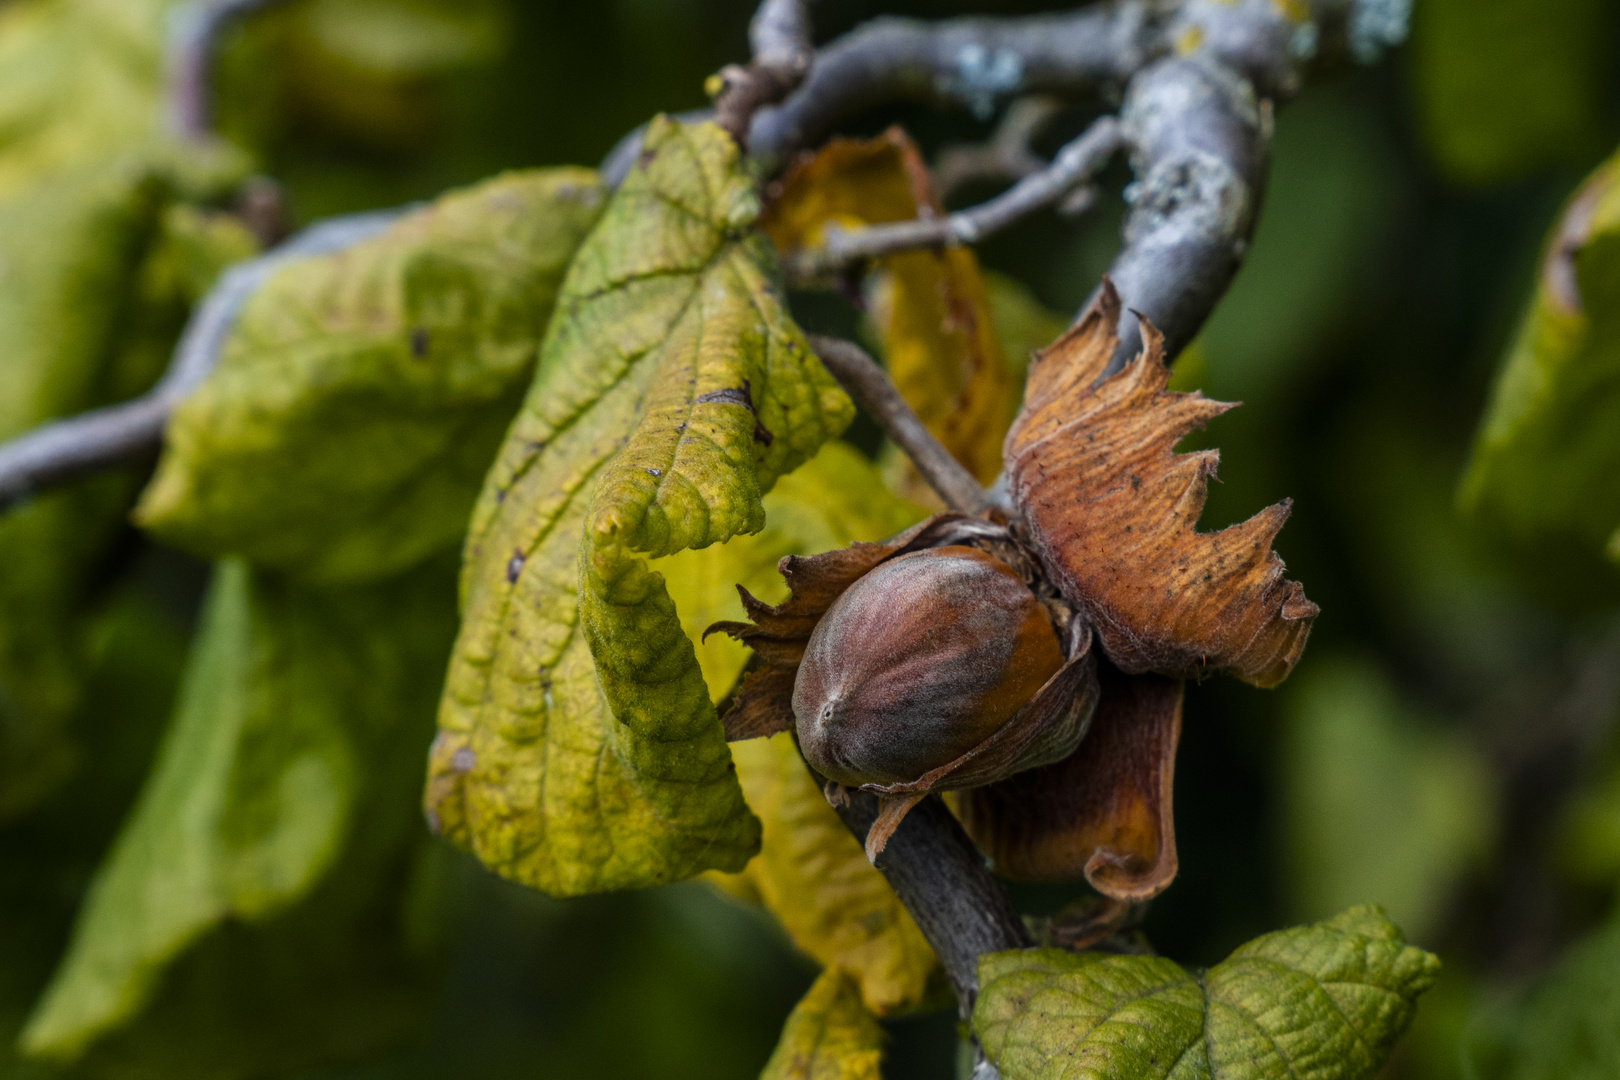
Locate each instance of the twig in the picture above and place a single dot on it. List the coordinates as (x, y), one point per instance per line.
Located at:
(194, 38)
(1076, 163)
(870, 387)
(54, 453)
(1008, 155)
(974, 62)
(780, 37)
(941, 877)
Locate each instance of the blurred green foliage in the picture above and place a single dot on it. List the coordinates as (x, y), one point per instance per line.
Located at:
(1504, 87)
(1447, 747)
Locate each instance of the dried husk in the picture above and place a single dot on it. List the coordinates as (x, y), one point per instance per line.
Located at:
(1104, 813)
(1112, 511)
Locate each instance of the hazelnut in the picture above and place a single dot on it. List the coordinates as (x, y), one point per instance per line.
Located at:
(917, 663)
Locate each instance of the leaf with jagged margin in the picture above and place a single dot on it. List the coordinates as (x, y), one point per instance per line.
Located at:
(255, 915)
(97, 270)
(829, 1035)
(833, 500)
(1321, 1002)
(578, 748)
(1548, 447)
(930, 308)
(362, 395)
(1504, 87)
(813, 875)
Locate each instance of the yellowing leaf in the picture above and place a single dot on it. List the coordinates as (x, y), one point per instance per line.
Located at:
(253, 917)
(931, 307)
(812, 874)
(828, 1036)
(835, 499)
(361, 396)
(1023, 326)
(579, 749)
(1326, 1002)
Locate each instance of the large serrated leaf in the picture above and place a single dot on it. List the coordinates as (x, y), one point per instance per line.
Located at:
(361, 396)
(578, 748)
(254, 915)
(1322, 1002)
(829, 1036)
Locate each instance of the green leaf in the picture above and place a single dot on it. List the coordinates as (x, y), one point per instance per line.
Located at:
(1507, 86)
(92, 302)
(361, 396)
(828, 1036)
(1549, 444)
(1322, 1002)
(1379, 800)
(1564, 1027)
(255, 914)
(578, 749)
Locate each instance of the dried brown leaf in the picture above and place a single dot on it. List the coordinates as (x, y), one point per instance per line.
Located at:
(1103, 814)
(1113, 512)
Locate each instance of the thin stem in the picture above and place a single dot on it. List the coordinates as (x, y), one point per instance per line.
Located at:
(868, 384)
(1075, 164)
(1008, 155)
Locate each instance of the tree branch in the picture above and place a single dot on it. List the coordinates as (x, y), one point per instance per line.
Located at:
(869, 385)
(780, 38)
(1076, 163)
(194, 39)
(63, 450)
(1199, 151)
(974, 62)
(940, 876)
